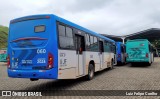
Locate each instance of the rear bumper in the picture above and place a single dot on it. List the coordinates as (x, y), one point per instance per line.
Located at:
(37, 74)
(137, 60)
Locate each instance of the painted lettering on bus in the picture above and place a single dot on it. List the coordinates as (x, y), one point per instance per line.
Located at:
(41, 51)
(62, 54)
(63, 62)
(26, 61)
(41, 60)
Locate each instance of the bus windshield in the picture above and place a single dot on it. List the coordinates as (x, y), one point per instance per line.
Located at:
(140, 45)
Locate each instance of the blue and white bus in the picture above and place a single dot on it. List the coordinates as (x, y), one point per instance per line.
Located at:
(49, 47)
(121, 53)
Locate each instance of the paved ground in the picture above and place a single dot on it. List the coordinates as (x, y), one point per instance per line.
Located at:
(120, 78)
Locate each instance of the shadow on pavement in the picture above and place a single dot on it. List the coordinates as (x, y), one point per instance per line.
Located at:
(54, 87)
(141, 65)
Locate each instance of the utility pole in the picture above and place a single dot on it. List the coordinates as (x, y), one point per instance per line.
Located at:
(123, 39)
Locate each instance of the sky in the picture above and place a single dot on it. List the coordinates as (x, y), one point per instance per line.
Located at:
(112, 17)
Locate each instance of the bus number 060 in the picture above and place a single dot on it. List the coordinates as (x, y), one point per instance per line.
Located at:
(41, 51)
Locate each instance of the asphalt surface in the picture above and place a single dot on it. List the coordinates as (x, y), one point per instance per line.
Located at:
(125, 77)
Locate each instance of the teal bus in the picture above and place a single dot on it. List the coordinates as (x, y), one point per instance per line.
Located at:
(139, 51)
(3, 55)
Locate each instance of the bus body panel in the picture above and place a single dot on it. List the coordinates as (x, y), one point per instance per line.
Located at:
(107, 59)
(93, 56)
(101, 62)
(67, 64)
(138, 51)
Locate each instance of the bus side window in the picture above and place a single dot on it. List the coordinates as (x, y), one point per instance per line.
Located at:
(95, 44)
(65, 37)
(114, 49)
(91, 43)
(61, 30)
(107, 47)
(87, 42)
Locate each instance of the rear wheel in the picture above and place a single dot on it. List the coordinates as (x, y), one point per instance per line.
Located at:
(111, 64)
(133, 64)
(90, 75)
(148, 64)
(33, 79)
(119, 63)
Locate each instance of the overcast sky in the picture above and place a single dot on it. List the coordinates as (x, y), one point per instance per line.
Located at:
(113, 17)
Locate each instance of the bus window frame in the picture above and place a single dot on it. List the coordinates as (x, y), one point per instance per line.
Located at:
(93, 36)
(58, 40)
(39, 31)
(82, 34)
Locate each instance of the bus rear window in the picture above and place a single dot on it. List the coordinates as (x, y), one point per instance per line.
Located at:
(40, 28)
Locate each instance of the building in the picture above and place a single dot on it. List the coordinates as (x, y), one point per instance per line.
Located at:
(153, 35)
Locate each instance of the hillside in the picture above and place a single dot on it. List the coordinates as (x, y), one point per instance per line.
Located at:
(3, 36)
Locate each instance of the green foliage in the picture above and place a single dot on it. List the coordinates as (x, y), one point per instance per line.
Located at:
(3, 36)
(156, 43)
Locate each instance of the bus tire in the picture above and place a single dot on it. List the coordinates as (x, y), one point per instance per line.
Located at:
(33, 79)
(119, 63)
(111, 64)
(90, 75)
(132, 64)
(148, 64)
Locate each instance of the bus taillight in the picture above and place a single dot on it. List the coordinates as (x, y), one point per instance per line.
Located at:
(50, 61)
(146, 55)
(47, 17)
(8, 61)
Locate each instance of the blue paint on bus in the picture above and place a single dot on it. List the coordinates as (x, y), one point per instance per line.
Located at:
(121, 53)
(35, 37)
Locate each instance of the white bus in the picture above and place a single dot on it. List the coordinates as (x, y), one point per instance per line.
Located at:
(49, 47)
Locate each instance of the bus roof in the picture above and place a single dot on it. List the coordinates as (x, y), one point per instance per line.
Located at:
(137, 40)
(45, 16)
(119, 42)
(83, 29)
